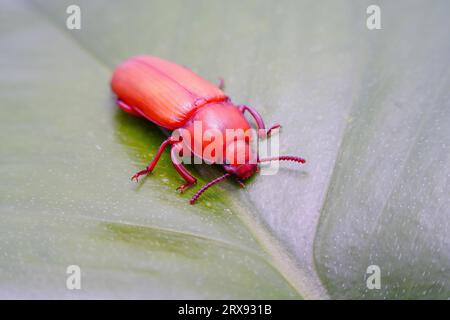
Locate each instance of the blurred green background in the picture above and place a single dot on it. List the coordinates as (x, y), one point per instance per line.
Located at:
(369, 110)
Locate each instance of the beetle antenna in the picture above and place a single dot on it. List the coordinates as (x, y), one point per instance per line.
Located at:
(206, 186)
(285, 158)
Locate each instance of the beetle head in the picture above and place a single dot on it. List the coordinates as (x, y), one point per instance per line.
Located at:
(240, 164)
(241, 171)
(238, 160)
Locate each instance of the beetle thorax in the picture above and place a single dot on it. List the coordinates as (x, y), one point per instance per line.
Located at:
(219, 133)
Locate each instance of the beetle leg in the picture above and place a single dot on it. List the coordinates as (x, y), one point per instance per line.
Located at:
(259, 120)
(190, 180)
(221, 83)
(126, 108)
(241, 184)
(152, 164)
(275, 126)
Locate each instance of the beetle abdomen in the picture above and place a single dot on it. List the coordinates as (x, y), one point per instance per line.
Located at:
(163, 92)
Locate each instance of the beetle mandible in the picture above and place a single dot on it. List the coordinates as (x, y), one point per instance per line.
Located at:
(174, 97)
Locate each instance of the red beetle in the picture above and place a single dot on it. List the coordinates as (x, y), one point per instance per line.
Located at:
(174, 97)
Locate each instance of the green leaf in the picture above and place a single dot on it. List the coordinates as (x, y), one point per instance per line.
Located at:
(369, 110)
